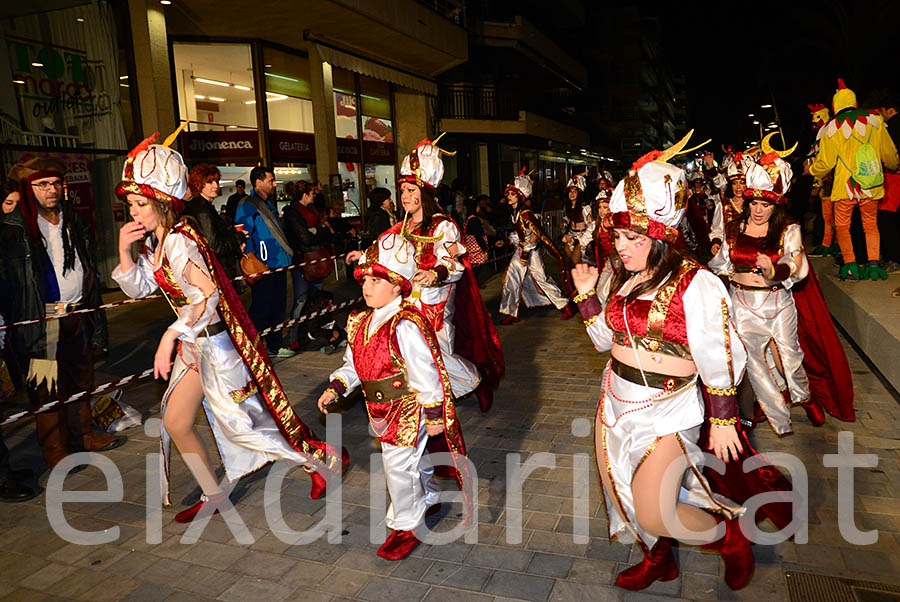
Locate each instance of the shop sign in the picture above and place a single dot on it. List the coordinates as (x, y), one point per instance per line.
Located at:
(379, 152)
(215, 146)
(287, 146)
(348, 150)
(50, 78)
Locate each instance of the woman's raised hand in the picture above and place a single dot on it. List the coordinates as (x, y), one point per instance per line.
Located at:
(352, 256)
(129, 234)
(585, 277)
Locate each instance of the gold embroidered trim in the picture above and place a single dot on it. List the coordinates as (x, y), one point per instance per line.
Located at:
(585, 296)
(341, 380)
(592, 320)
(332, 391)
(432, 405)
(723, 421)
(239, 395)
(728, 391)
(725, 320)
(438, 421)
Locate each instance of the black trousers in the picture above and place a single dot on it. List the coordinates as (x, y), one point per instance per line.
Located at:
(75, 373)
(4, 459)
(889, 228)
(268, 305)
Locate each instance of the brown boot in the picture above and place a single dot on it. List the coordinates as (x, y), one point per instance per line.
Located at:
(52, 436)
(86, 439)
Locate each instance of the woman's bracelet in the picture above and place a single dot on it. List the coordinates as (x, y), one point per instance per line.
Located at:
(585, 296)
(723, 421)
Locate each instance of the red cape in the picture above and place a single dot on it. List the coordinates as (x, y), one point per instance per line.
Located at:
(830, 382)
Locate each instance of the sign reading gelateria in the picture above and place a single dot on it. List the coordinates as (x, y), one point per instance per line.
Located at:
(49, 78)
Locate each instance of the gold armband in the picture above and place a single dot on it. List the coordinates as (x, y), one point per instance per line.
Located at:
(724, 392)
(584, 296)
(723, 421)
(438, 421)
(592, 320)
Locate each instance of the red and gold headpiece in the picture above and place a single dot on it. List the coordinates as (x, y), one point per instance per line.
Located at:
(156, 172)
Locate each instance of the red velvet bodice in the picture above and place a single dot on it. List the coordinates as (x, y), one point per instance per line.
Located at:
(746, 248)
(372, 355)
(661, 318)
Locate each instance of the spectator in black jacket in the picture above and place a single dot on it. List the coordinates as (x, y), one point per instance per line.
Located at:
(305, 232)
(379, 215)
(203, 182)
(234, 200)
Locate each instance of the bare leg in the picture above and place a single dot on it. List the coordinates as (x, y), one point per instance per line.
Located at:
(181, 410)
(656, 504)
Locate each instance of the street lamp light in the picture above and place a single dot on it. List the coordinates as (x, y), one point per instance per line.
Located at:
(765, 106)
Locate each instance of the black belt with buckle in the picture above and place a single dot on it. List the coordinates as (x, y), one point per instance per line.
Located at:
(654, 379)
(214, 329)
(750, 287)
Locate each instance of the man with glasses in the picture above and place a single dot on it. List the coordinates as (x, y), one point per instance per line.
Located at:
(47, 269)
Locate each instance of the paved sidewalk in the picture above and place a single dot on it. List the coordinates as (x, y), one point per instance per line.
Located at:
(552, 380)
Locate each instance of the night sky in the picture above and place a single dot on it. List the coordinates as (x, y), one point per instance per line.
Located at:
(738, 55)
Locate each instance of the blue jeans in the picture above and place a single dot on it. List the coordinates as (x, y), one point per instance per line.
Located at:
(267, 306)
(302, 290)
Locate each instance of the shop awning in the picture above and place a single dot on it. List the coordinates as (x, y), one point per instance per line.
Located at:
(376, 70)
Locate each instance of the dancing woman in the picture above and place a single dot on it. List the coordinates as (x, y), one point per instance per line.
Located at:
(764, 259)
(220, 361)
(650, 413)
(444, 286)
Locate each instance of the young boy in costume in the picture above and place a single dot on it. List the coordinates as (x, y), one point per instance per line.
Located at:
(393, 354)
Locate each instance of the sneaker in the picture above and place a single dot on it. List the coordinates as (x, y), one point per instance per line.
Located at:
(285, 352)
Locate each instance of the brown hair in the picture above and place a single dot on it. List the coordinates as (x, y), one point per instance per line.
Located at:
(201, 175)
(778, 221)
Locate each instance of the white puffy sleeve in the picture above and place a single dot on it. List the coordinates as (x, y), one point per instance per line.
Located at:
(717, 229)
(421, 370)
(721, 264)
(794, 256)
(715, 346)
(591, 308)
(138, 282)
(344, 379)
(450, 239)
(194, 280)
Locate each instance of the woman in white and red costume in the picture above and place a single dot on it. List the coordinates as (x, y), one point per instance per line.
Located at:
(579, 222)
(764, 258)
(444, 285)
(526, 276)
(220, 362)
(667, 323)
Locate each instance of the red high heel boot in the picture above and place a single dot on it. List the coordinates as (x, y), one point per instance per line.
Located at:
(318, 481)
(736, 553)
(814, 413)
(509, 320)
(658, 565)
(485, 396)
(186, 516)
(398, 545)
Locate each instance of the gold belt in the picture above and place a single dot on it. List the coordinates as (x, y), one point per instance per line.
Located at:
(655, 380)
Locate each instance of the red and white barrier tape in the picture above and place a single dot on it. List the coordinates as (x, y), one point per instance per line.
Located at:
(110, 386)
(149, 297)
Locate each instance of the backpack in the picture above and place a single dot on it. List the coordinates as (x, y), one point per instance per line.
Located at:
(868, 172)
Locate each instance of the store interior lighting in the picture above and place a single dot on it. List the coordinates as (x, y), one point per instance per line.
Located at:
(199, 97)
(217, 99)
(212, 82)
(765, 106)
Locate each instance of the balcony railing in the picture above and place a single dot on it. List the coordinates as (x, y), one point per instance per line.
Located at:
(460, 101)
(454, 10)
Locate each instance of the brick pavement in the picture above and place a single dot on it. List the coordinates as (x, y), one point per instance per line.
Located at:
(552, 379)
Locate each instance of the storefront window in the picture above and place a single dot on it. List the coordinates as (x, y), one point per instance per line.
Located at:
(345, 114)
(378, 134)
(288, 95)
(215, 86)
